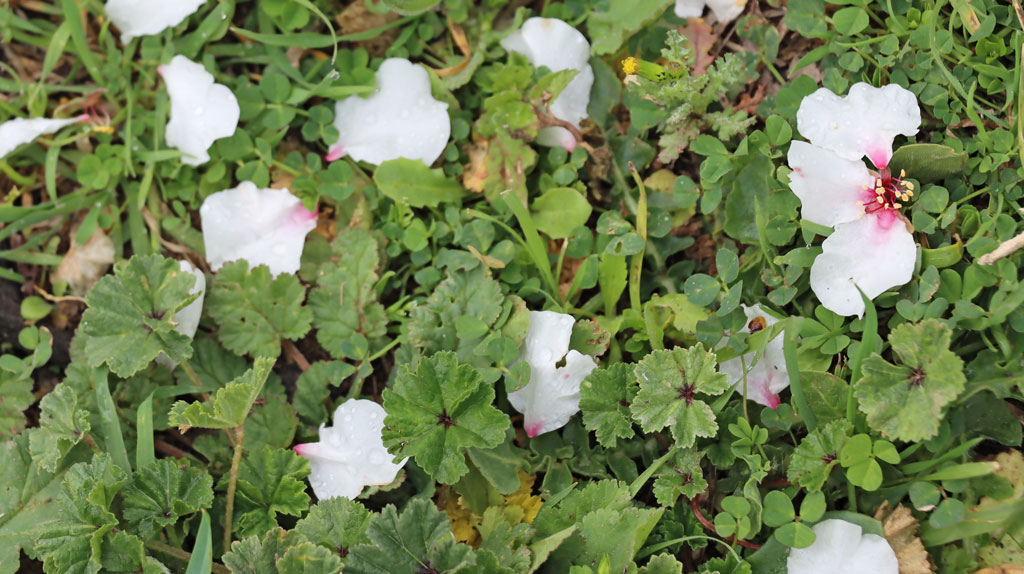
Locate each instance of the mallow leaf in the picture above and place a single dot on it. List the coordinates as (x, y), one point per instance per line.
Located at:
(407, 543)
(16, 385)
(438, 411)
(161, 493)
(312, 389)
(605, 396)
(346, 313)
(130, 315)
(271, 481)
(906, 401)
(336, 523)
(259, 555)
(681, 475)
(817, 454)
(670, 381)
(255, 310)
(229, 406)
(62, 424)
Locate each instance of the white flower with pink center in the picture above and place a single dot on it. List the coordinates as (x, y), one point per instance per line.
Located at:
(350, 455)
(14, 133)
(841, 547)
(872, 246)
(766, 376)
(400, 120)
(552, 43)
(263, 226)
(725, 10)
(552, 396)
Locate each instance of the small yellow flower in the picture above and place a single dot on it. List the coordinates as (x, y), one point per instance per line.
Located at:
(629, 66)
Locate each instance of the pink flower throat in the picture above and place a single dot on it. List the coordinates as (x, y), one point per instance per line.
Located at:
(889, 193)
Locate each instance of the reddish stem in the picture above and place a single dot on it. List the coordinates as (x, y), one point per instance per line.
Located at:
(711, 527)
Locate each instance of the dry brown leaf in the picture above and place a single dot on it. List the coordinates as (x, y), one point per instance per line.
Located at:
(702, 38)
(356, 18)
(901, 530)
(83, 265)
(475, 172)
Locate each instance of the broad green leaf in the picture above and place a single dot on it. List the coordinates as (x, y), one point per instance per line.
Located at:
(229, 406)
(130, 315)
(17, 396)
(27, 501)
(558, 211)
(610, 27)
(308, 558)
(312, 389)
(669, 383)
(254, 310)
(438, 411)
(681, 475)
(778, 508)
(271, 423)
(555, 518)
(817, 454)
(928, 162)
(906, 401)
(403, 543)
(411, 182)
(336, 523)
(663, 564)
(605, 396)
(214, 365)
(62, 424)
(500, 465)
(258, 555)
(616, 534)
(159, 494)
(346, 313)
(826, 395)
(270, 482)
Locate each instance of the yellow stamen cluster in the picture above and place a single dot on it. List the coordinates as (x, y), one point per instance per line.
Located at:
(629, 66)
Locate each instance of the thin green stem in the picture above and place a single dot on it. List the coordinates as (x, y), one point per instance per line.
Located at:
(236, 459)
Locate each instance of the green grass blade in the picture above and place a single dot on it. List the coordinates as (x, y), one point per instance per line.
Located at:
(109, 423)
(201, 561)
(144, 452)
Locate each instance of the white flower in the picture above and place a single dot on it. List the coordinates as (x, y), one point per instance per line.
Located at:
(841, 547)
(19, 131)
(201, 111)
(553, 394)
(767, 377)
(871, 247)
(552, 43)
(144, 17)
(350, 454)
(262, 226)
(400, 120)
(187, 318)
(725, 10)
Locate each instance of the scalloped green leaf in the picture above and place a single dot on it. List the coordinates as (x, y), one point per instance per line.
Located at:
(336, 523)
(817, 454)
(62, 424)
(162, 493)
(605, 396)
(271, 481)
(229, 406)
(403, 543)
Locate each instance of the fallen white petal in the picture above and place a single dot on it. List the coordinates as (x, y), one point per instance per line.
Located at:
(552, 396)
(144, 17)
(201, 111)
(400, 120)
(767, 377)
(350, 454)
(727, 10)
(690, 8)
(262, 226)
(552, 43)
(841, 547)
(18, 131)
(875, 252)
(828, 186)
(187, 318)
(864, 123)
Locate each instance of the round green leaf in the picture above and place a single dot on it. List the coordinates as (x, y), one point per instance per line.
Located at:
(778, 508)
(866, 474)
(795, 535)
(812, 507)
(851, 20)
(34, 308)
(560, 210)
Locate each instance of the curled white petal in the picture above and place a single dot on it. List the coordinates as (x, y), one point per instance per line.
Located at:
(864, 123)
(690, 8)
(144, 17)
(828, 186)
(350, 455)
(767, 377)
(18, 131)
(841, 547)
(558, 46)
(553, 394)
(262, 226)
(727, 10)
(400, 120)
(875, 252)
(187, 318)
(201, 111)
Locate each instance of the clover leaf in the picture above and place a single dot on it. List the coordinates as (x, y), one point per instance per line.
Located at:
(130, 315)
(670, 381)
(438, 411)
(906, 401)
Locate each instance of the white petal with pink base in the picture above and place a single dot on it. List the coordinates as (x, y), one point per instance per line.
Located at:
(263, 226)
(18, 131)
(862, 124)
(350, 454)
(766, 377)
(201, 111)
(552, 43)
(841, 547)
(400, 120)
(875, 253)
(725, 10)
(829, 187)
(552, 396)
(145, 17)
